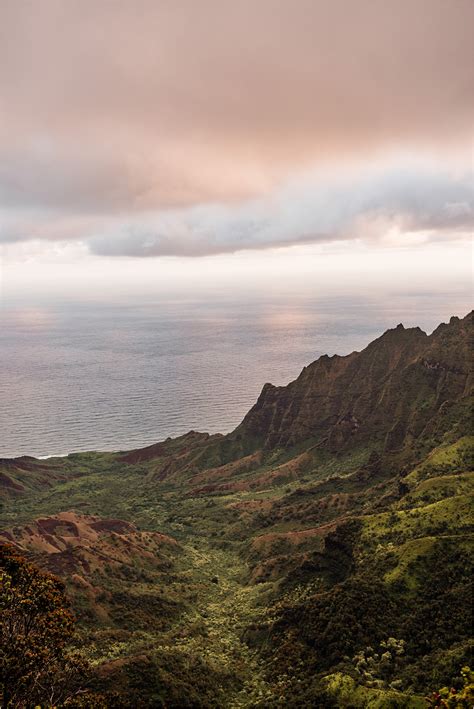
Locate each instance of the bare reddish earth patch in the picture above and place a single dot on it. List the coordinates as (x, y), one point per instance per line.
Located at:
(70, 543)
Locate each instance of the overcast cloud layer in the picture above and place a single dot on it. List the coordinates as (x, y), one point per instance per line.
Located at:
(191, 128)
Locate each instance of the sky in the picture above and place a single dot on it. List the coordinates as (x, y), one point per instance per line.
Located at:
(171, 144)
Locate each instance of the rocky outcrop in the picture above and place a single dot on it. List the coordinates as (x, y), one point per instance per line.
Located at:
(385, 395)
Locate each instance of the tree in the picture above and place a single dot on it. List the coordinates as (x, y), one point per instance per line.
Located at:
(450, 698)
(36, 627)
(378, 669)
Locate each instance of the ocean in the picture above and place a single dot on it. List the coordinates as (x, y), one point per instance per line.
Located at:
(101, 376)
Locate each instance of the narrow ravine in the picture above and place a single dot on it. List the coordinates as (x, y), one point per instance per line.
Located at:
(225, 608)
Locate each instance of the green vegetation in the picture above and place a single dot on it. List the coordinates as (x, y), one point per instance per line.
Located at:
(36, 628)
(327, 563)
(451, 698)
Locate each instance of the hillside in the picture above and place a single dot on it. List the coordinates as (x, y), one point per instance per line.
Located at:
(318, 555)
(388, 396)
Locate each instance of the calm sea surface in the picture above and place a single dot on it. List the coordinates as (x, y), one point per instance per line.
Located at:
(94, 377)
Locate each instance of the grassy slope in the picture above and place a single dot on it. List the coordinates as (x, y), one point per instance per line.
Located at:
(237, 537)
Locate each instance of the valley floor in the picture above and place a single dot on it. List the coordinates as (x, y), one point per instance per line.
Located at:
(225, 609)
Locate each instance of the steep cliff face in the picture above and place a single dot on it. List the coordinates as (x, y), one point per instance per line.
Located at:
(387, 394)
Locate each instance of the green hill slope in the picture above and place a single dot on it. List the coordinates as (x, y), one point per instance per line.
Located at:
(319, 555)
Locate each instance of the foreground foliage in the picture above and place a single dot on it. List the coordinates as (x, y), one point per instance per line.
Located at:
(36, 628)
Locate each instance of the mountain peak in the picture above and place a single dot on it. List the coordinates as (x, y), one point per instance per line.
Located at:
(341, 402)
(400, 331)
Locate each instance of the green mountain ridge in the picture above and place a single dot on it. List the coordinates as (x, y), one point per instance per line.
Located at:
(318, 555)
